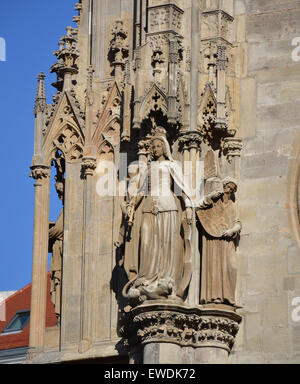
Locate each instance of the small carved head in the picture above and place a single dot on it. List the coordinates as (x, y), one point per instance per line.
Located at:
(59, 186)
(158, 148)
(159, 144)
(133, 170)
(230, 186)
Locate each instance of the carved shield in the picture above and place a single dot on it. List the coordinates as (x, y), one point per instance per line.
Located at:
(218, 219)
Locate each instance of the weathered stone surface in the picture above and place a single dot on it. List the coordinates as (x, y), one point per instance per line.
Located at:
(218, 76)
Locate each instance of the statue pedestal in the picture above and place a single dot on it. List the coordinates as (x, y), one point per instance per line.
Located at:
(178, 334)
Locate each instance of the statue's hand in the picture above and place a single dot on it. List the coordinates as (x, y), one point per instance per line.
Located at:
(229, 234)
(189, 215)
(214, 195)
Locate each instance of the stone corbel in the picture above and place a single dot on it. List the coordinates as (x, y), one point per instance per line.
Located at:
(232, 147)
(89, 165)
(190, 140)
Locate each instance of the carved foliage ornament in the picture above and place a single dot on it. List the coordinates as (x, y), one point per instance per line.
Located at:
(189, 140)
(40, 172)
(188, 330)
(89, 165)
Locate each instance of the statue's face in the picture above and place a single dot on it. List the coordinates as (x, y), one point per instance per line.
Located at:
(229, 188)
(133, 170)
(157, 148)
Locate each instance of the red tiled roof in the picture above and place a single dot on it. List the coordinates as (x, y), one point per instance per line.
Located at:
(20, 301)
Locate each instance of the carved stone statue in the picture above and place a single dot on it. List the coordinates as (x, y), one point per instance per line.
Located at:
(218, 216)
(156, 244)
(56, 247)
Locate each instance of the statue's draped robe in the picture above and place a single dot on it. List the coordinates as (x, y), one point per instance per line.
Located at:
(219, 270)
(161, 252)
(56, 237)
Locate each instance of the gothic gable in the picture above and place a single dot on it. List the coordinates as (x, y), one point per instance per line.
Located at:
(107, 132)
(65, 131)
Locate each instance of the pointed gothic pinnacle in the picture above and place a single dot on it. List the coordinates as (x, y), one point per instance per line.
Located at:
(40, 100)
(41, 86)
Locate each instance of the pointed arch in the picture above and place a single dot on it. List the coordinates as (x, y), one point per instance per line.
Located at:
(207, 111)
(208, 103)
(154, 100)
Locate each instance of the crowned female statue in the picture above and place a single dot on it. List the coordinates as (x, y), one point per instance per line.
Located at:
(160, 254)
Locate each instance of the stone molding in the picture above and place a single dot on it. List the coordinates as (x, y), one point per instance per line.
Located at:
(178, 324)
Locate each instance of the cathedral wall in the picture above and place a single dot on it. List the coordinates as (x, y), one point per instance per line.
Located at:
(268, 260)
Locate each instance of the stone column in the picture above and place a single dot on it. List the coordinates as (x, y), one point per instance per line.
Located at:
(190, 142)
(72, 256)
(162, 353)
(41, 174)
(194, 65)
(137, 101)
(88, 316)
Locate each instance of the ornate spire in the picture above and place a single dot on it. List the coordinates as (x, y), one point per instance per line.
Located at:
(40, 100)
(67, 56)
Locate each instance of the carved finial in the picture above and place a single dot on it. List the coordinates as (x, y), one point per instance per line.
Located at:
(67, 56)
(40, 101)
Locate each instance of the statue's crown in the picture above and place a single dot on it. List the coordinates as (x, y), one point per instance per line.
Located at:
(158, 132)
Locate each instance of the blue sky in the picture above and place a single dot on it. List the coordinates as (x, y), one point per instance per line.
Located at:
(31, 30)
